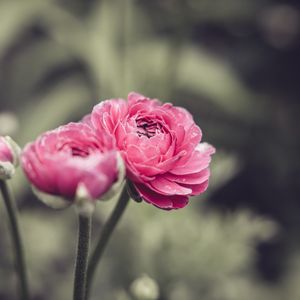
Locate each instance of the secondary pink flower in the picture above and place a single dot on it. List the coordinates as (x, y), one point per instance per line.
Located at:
(9, 157)
(71, 160)
(160, 144)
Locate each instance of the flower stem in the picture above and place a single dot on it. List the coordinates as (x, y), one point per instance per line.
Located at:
(104, 238)
(84, 234)
(16, 238)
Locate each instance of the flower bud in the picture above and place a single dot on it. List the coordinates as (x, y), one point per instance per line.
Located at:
(145, 288)
(9, 157)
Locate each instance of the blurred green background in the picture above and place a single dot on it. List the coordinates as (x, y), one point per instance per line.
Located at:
(235, 65)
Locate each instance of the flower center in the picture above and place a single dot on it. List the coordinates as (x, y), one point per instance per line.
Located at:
(76, 151)
(148, 128)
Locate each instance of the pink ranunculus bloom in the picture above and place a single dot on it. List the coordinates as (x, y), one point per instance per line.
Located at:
(160, 144)
(72, 161)
(9, 157)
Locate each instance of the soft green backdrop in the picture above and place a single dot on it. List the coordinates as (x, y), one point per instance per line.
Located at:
(235, 65)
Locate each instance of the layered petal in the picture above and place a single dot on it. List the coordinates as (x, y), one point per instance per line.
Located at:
(198, 161)
(107, 115)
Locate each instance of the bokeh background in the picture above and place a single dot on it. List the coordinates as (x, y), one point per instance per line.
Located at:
(235, 64)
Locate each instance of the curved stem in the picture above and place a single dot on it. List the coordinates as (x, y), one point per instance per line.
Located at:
(84, 234)
(16, 238)
(104, 238)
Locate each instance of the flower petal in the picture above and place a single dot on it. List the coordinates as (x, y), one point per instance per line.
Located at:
(161, 201)
(195, 178)
(166, 187)
(198, 161)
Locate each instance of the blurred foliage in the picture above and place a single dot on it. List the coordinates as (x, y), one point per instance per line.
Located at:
(235, 64)
(188, 251)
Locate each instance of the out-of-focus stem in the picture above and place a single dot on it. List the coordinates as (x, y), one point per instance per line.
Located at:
(84, 234)
(105, 236)
(16, 239)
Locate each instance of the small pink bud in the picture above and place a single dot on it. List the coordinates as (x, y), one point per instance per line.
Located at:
(9, 157)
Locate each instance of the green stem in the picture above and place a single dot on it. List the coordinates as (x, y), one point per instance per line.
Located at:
(16, 238)
(104, 238)
(84, 234)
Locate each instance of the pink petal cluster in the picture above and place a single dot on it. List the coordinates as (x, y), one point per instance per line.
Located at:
(160, 144)
(71, 156)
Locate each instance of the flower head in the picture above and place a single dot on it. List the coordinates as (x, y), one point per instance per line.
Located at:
(72, 162)
(160, 144)
(9, 157)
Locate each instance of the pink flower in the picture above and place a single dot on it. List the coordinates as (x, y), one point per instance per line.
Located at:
(69, 162)
(160, 144)
(9, 157)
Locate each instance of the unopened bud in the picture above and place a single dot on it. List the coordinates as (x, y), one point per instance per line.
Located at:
(145, 288)
(9, 157)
